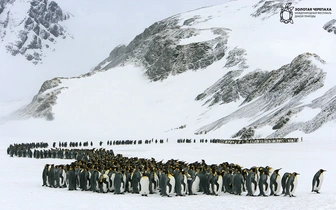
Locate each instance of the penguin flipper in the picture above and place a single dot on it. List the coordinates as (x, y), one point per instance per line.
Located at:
(170, 187)
(292, 187)
(318, 182)
(255, 184)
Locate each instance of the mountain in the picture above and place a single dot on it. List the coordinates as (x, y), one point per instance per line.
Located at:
(232, 70)
(32, 32)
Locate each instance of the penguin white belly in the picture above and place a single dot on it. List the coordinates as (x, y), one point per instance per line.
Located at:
(64, 178)
(195, 185)
(144, 185)
(156, 179)
(105, 187)
(110, 181)
(184, 187)
(122, 188)
(172, 183)
(278, 181)
(268, 180)
(318, 187)
(88, 186)
(220, 185)
(295, 182)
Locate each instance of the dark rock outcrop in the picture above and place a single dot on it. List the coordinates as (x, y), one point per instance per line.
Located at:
(330, 26)
(158, 49)
(42, 103)
(38, 30)
(280, 91)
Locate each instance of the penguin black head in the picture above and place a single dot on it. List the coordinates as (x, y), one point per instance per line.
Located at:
(295, 174)
(322, 170)
(277, 171)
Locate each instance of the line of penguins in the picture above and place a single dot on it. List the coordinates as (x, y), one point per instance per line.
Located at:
(240, 141)
(104, 172)
(25, 149)
(55, 153)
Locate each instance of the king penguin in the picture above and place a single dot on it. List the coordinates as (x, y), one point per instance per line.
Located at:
(171, 184)
(275, 182)
(144, 184)
(284, 181)
(263, 185)
(251, 181)
(291, 184)
(45, 175)
(317, 181)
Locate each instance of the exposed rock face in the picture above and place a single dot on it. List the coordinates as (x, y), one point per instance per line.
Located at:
(278, 90)
(266, 9)
(330, 26)
(42, 103)
(158, 49)
(35, 32)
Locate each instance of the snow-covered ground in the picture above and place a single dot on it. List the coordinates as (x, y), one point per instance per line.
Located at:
(21, 178)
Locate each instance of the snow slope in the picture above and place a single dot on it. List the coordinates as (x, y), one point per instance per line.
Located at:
(95, 29)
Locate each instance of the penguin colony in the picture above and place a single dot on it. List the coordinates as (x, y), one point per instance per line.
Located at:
(103, 172)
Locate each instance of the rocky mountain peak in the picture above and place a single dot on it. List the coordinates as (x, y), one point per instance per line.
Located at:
(37, 31)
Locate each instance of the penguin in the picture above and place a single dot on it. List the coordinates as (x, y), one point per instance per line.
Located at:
(57, 176)
(218, 183)
(238, 182)
(275, 182)
(62, 175)
(144, 184)
(291, 184)
(263, 185)
(118, 182)
(227, 182)
(135, 179)
(317, 181)
(103, 183)
(94, 180)
(110, 179)
(51, 176)
(251, 182)
(72, 178)
(178, 182)
(152, 182)
(171, 184)
(195, 185)
(45, 175)
(163, 183)
(284, 181)
(83, 177)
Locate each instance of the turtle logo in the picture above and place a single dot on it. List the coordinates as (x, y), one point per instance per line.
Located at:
(285, 10)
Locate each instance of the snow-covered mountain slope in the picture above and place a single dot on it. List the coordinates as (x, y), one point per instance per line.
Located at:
(91, 31)
(232, 70)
